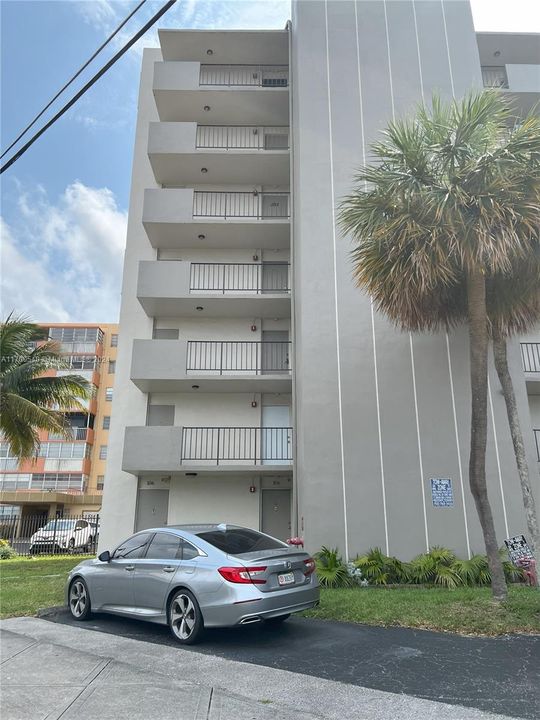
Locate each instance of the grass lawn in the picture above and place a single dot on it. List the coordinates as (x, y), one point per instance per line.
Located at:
(30, 584)
(463, 610)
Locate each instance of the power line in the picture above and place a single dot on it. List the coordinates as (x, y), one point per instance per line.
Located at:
(86, 64)
(88, 85)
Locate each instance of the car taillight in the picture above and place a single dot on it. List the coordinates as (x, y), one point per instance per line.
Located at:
(245, 575)
(310, 566)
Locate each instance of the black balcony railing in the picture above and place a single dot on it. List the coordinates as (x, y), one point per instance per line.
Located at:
(226, 357)
(242, 75)
(530, 356)
(242, 137)
(537, 442)
(225, 205)
(271, 277)
(237, 445)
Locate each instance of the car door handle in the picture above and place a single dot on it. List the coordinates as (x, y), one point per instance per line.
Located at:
(169, 569)
(129, 567)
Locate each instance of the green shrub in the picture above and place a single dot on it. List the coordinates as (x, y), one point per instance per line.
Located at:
(331, 570)
(380, 569)
(6, 551)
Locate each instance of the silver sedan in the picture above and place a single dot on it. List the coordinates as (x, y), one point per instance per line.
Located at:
(192, 577)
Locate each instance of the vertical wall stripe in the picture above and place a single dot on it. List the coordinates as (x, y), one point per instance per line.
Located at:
(410, 334)
(498, 459)
(377, 399)
(424, 509)
(460, 467)
(448, 50)
(418, 51)
(338, 354)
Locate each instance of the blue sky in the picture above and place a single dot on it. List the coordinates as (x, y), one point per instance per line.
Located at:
(64, 204)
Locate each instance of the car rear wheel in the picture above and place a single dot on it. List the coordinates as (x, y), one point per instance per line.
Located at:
(79, 600)
(185, 618)
(71, 546)
(276, 621)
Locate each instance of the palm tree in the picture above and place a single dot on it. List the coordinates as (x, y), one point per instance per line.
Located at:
(453, 200)
(30, 400)
(514, 308)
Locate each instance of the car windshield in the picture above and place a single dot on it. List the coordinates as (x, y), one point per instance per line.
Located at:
(235, 541)
(59, 525)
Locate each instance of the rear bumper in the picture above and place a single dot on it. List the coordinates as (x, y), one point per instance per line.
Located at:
(260, 608)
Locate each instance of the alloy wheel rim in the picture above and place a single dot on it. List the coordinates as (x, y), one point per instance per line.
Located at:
(183, 616)
(78, 599)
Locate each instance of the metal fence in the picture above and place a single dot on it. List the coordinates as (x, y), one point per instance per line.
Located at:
(242, 137)
(270, 76)
(225, 357)
(257, 205)
(530, 357)
(241, 445)
(494, 76)
(268, 277)
(38, 534)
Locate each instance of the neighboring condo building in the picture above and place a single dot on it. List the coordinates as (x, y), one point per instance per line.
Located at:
(258, 385)
(67, 476)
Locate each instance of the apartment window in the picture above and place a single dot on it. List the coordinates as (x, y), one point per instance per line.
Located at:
(102, 452)
(112, 367)
(114, 340)
(109, 394)
(100, 481)
(106, 422)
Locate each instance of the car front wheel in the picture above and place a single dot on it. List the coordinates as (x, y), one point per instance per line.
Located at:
(185, 618)
(79, 599)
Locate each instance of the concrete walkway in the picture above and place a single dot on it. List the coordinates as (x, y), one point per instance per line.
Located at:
(52, 671)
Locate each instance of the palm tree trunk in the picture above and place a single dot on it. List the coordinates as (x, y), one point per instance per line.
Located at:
(501, 365)
(478, 348)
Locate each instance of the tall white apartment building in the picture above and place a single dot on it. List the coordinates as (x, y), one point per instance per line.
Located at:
(255, 384)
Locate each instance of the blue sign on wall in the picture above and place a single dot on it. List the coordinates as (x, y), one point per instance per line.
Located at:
(442, 494)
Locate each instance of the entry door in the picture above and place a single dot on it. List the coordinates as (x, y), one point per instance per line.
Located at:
(276, 435)
(276, 513)
(275, 351)
(275, 205)
(275, 277)
(152, 509)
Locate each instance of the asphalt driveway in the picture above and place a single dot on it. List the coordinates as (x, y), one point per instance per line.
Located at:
(500, 675)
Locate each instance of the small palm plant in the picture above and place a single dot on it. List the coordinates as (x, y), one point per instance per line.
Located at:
(31, 400)
(331, 570)
(380, 569)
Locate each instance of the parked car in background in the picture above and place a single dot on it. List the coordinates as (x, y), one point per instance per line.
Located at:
(64, 534)
(192, 577)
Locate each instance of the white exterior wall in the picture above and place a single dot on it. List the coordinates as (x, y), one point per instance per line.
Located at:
(129, 406)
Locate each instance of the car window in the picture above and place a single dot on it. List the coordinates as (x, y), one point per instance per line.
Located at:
(236, 541)
(164, 546)
(81, 524)
(189, 552)
(132, 548)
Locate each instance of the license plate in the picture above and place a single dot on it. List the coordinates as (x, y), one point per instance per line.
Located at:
(286, 578)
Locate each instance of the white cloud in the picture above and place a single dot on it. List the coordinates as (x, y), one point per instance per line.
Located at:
(63, 261)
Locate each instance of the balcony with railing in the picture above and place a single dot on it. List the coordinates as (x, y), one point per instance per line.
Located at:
(184, 218)
(184, 153)
(195, 92)
(530, 361)
(218, 366)
(182, 289)
(208, 449)
(264, 76)
(43, 482)
(494, 76)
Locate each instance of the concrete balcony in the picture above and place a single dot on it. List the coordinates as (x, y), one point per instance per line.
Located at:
(207, 450)
(194, 92)
(521, 81)
(184, 289)
(530, 360)
(187, 154)
(182, 218)
(211, 366)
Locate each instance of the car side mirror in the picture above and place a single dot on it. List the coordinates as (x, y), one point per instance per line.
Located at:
(105, 556)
